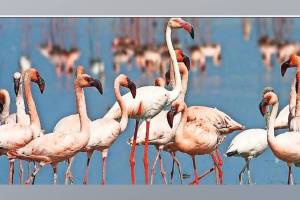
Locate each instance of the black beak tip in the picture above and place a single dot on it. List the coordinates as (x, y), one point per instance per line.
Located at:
(187, 62)
(283, 70)
(132, 88)
(192, 33)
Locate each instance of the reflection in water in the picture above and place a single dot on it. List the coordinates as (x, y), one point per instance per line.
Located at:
(109, 46)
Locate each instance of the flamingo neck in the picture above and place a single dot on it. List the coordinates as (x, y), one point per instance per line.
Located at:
(293, 95)
(185, 77)
(81, 108)
(177, 88)
(297, 114)
(33, 114)
(271, 124)
(20, 104)
(124, 115)
(5, 112)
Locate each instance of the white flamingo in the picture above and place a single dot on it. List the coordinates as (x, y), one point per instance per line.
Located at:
(285, 146)
(150, 100)
(104, 131)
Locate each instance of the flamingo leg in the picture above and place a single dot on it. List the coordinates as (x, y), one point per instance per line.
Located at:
(205, 174)
(196, 180)
(55, 178)
(219, 165)
(132, 153)
(11, 171)
(104, 170)
(68, 175)
(34, 173)
(178, 166)
(162, 170)
(86, 174)
(248, 171)
(242, 174)
(215, 159)
(173, 164)
(28, 168)
(34, 168)
(21, 171)
(153, 166)
(146, 146)
(290, 176)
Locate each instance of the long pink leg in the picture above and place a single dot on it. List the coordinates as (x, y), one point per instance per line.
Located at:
(68, 175)
(205, 174)
(213, 156)
(290, 176)
(153, 166)
(196, 180)
(104, 170)
(173, 154)
(172, 170)
(132, 153)
(218, 162)
(146, 162)
(34, 173)
(162, 170)
(21, 171)
(86, 174)
(11, 172)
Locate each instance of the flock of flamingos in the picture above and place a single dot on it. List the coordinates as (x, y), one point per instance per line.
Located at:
(162, 119)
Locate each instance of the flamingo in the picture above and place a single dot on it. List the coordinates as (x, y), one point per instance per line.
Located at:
(110, 128)
(56, 147)
(161, 134)
(20, 116)
(194, 137)
(17, 135)
(294, 116)
(4, 106)
(285, 146)
(150, 100)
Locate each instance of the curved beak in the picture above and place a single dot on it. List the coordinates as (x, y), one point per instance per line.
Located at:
(41, 84)
(131, 87)
(1, 107)
(262, 107)
(167, 77)
(284, 67)
(16, 86)
(170, 116)
(97, 84)
(186, 61)
(188, 27)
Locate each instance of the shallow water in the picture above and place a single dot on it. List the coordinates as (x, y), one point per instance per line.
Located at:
(234, 87)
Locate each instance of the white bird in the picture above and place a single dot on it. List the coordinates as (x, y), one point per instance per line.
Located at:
(104, 131)
(248, 144)
(150, 100)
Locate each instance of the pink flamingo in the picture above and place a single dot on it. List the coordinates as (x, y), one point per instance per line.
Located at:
(150, 100)
(110, 128)
(17, 135)
(56, 147)
(4, 106)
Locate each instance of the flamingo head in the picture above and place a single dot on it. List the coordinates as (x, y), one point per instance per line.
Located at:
(85, 80)
(293, 61)
(269, 99)
(183, 62)
(35, 77)
(2, 100)
(79, 71)
(180, 23)
(181, 57)
(126, 82)
(17, 81)
(175, 109)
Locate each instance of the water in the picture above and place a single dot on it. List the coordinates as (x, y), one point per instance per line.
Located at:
(234, 87)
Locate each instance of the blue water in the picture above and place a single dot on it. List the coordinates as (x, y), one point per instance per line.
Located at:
(234, 87)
